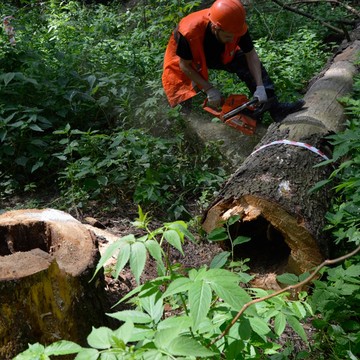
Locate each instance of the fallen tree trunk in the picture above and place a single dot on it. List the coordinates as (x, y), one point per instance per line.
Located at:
(46, 261)
(270, 190)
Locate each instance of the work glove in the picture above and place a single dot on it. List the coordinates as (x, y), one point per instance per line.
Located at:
(260, 94)
(213, 97)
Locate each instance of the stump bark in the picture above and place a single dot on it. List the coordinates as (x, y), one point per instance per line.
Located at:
(270, 190)
(46, 261)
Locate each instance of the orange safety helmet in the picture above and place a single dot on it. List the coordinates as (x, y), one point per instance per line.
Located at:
(228, 15)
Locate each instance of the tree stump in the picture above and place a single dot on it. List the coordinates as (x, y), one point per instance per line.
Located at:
(270, 190)
(46, 261)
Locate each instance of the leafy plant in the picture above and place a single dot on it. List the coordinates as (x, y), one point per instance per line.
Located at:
(222, 233)
(302, 54)
(203, 304)
(336, 297)
(135, 251)
(154, 171)
(336, 301)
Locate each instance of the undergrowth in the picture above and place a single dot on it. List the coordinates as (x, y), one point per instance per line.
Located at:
(81, 95)
(213, 313)
(76, 92)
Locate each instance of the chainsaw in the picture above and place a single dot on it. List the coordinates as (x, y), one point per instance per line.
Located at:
(238, 112)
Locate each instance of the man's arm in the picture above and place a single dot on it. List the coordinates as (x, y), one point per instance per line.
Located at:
(188, 70)
(254, 65)
(213, 94)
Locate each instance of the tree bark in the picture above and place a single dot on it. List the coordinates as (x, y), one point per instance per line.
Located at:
(270, 190)
(46, 261)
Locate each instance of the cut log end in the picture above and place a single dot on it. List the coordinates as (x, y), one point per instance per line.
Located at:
(46, 261)
(279, 242)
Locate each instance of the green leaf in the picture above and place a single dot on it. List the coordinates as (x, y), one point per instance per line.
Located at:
(245, 277)
(351, 355)
(87, 354)
(319, 185)
(35, 351)
(280, 323)
(233, 219)
(241, 240)
(35, 128)
(155, 250)
(62, 347)
(259, 325)
(186, 346)
(3, 135)
(298, 309)
(176, 323)
(296, 325)
(181, 227)
(102, 180)
(225, 284)
(200, 295)
(232, 294)
(122, 258)
(123, 333)
(353, 270)
(164, 337)
(141, 333)
(109, 252)
(288, 279)
(137, 317)
(218, 234)
(100, 338)
(36, 166)
(91, 80)
(154, 354)
(8, 77)
(220, 260)
(153, 305)
(137, 259)
(177, 286)
(109, 356)
(173, 238)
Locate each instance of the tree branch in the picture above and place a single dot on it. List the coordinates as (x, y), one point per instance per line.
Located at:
(290, 288)
(346, 6)
(302, 13)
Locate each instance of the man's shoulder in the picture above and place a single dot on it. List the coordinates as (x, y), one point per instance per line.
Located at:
(197, 20)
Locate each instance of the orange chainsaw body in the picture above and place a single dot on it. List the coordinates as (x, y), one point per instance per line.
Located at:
(239, 120)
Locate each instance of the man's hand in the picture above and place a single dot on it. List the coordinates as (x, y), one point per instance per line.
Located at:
(260, 94)
(213, 97)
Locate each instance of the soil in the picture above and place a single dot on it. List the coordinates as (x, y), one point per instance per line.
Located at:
(117, 222)
(195, 255)
(112, 224)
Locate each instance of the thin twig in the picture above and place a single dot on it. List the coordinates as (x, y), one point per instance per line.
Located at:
(340, 3)
(286, 289)
(302, 13)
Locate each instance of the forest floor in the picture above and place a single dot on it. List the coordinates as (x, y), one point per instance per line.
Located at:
(196, 254)
(118, 222)
(111, 223)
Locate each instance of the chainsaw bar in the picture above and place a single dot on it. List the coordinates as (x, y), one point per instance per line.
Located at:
(232, 113)
(239, 109)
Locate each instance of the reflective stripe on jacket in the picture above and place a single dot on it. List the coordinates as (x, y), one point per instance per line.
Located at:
(177, 86)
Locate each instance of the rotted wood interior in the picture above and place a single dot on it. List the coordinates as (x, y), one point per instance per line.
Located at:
(46, 261)
(279, 243)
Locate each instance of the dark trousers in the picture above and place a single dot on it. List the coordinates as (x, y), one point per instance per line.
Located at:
(240, 67)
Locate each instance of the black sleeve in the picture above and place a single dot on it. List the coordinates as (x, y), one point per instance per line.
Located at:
(183, 48)
(245, 43)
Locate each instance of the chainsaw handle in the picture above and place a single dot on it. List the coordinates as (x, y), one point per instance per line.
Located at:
(211, 110)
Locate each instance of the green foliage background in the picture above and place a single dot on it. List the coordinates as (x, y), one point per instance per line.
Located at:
(82, 109)
(83, 79)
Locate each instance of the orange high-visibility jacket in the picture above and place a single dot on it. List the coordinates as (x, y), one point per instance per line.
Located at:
(178, 87)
